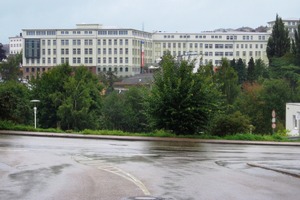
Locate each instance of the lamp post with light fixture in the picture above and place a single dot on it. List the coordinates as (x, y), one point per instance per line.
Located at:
(35, 102)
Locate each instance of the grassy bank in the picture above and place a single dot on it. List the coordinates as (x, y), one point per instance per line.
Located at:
(7, 125)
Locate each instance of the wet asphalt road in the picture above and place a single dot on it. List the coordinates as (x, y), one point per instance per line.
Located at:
(60, 168)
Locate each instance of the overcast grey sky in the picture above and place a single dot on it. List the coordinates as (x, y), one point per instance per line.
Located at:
(161, 15)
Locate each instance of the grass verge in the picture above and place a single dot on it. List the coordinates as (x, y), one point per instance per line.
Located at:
(8, 125)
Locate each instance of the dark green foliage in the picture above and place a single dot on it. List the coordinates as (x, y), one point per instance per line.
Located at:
(180, 100)
(279, 41)
(258, 100)
(231, 124)
(2, 52)
(10, 70)
(240, 69)
(125, 111)
(251, 76)
(70, 99)
(227, 78)
(296, 46)
(15, 102)
(43, 89)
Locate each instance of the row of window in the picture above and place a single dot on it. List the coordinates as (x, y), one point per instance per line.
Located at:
(228, 37)
(210, 46)
(104, 51)
(88, 60)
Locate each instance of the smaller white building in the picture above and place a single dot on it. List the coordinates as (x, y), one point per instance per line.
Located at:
(15, 44)
(292, 118)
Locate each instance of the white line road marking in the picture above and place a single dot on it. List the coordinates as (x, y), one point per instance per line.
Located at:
(103, 165)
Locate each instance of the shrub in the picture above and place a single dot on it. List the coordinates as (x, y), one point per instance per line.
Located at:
(230, 124)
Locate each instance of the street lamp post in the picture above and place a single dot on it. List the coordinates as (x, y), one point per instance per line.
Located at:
(35, 110)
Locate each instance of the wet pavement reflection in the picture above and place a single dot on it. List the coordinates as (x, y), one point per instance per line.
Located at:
(109, 169)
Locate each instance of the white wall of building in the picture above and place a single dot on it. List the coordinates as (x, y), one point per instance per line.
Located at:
(292, 121)
(15, 45)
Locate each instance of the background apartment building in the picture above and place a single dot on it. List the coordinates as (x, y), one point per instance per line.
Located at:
(98, 48)
(290, 23)
(127, 51)
(211, 47)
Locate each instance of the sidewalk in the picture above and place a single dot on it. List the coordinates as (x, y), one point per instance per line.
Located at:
(139, 138)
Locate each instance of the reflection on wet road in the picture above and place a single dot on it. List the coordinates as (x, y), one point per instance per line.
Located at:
(106, 169)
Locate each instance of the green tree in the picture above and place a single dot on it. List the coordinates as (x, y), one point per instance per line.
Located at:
(241, 71)
(2, 52)
(180, 100)
(296, 46)
(260, 69)
(251, 76)
(80, 101)
(10, 69)
(251, 104)
(44, 87)
(125, 111)
(279, 41)
(227, 78)
(15, 102)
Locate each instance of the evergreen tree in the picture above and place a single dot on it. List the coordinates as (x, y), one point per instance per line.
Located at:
(2, 52)
(296, 46)
(279, 41)
(241, 71)
(251, 76)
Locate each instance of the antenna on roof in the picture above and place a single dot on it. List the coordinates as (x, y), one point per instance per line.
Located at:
(143, 26)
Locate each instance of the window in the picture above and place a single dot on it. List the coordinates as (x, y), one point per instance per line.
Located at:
(49, 51)
(121, 50)
(295, 121)
(104, 42)
(126, 41)
(90, 60)
(126, 51)
(121, 42)
(115, 42)
(99, 51)
(115, 51)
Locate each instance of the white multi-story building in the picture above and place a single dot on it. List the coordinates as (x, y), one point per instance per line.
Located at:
(127, 51)
(212, 46)
(291, 24)
(15, 44)
(92, 45)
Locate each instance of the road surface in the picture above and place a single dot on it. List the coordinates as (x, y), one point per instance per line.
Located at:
(66, 168)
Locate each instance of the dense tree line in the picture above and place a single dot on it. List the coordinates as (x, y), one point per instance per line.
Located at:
(232, 99)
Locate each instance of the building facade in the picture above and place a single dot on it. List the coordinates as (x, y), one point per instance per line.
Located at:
(127, 51)
(15, 44)
(291, 24)
(211, 47)
(98, 48)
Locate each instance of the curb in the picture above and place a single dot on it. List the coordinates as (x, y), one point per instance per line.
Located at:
(140, 138)
(274, 169)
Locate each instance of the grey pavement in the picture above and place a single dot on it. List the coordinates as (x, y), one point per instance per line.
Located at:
(289, 167)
